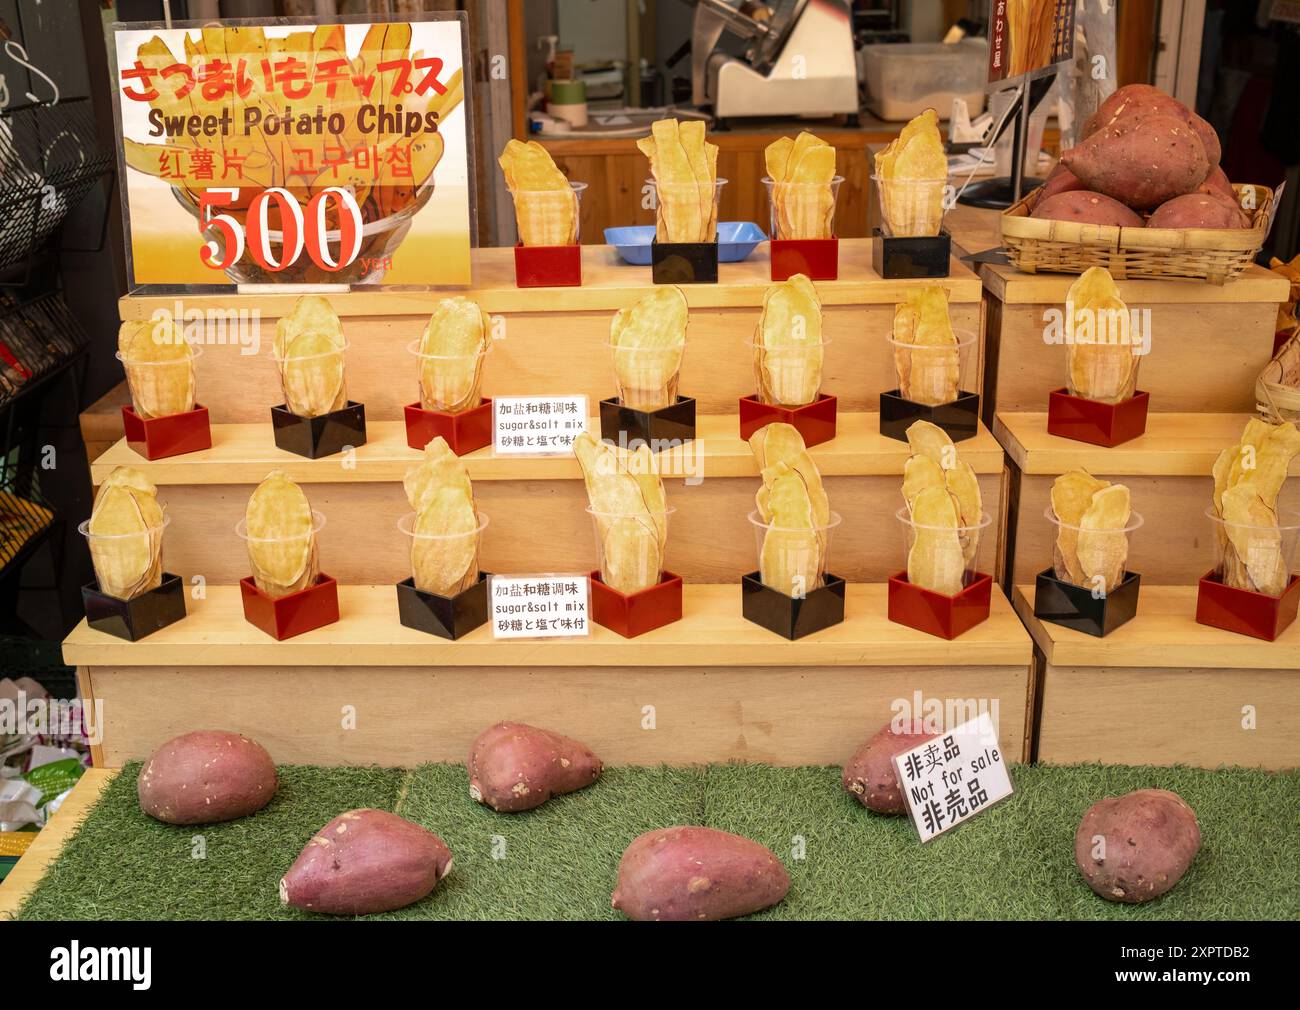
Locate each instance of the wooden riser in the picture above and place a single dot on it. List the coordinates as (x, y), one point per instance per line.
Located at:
(1208, 343)
(1165, 690)
(786, 715)
(1188, 715)
(542, 526)
(1167, 470)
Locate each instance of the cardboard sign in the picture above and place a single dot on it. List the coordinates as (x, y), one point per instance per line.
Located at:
(948, 780)
(285, 152)
(539, 606)
(1027, 38)
(537, 425)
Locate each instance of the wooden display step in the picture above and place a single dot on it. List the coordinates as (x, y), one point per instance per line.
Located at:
(712, 687)
(18, 886)
(1163, 689)
(556, 340)
(245, 453)
(1167, 470)
(710, 539)
(1208, 342)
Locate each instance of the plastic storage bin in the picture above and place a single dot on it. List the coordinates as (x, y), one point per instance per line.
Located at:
(905, 79)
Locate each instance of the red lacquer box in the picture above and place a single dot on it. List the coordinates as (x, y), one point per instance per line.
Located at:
(815, 421)
(287, 616)
(1245, 612)
(173, 435)
(464, 432)
(632, 614)
(817, 258)
(548, 266)
(937, 614)
(1108, 424)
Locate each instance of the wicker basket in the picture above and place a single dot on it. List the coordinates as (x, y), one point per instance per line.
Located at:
(1277, 390)
(1067, 247)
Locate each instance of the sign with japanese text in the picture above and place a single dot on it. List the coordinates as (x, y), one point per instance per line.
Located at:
(539, 606)
(953, 777)
(283, 152)
(537, 425)
(1029, 37)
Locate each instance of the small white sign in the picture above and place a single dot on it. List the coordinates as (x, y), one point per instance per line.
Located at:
(953, 777)
(537, 425)
(539, 606)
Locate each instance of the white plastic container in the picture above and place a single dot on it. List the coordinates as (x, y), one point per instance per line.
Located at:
(904, 79)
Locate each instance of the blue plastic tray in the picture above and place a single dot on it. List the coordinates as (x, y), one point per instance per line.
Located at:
(736, 240)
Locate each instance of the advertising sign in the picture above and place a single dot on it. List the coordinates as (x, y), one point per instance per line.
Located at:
(1029, 37)
(283, 152)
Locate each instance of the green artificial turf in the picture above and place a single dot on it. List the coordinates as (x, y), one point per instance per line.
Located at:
(1015, 861)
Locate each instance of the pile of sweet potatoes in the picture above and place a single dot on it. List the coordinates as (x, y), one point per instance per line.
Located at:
(1142, 153)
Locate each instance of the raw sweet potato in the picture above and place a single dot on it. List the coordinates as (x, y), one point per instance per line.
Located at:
(869, 776)
(365, 861)
(690, 873)
(1197, 210)
(1145, 100)
(1216, 183)
(515, 767)
(1061, 180)
(1086, 208)
(1142, 161)
(205, 777)
(1136, 847)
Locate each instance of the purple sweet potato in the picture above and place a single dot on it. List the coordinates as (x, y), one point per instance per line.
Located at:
(1144, 100)
(205, 777)
(1061, 180)
(869, 776)
(1086, 208)
(1197, 210)
(515, 767)
(365, 861)
(1136, 847)
(1216, 183)
(691, 873)
(1141, 161)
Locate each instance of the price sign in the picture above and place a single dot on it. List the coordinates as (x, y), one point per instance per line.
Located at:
(950, 779)
(537, 425)
(539, 606)
(289, 152)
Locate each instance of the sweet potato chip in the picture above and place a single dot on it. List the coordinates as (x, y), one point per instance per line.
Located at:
(451, 355)
(788, 343)
(159, 366)
(684, 166)
(546, 207)
(648, 340)
(444, 550)
(964, 487)
(911, 172)
(309, 354)
(1100, 359)
(791, 557)
(919, 473)
(1071, 497)
(936, 560)
(126, 529)
(630, 511)
(1248, 479)
(927, 439)
(281, 536)
(779, 444)
(926, 350)
(1256, 539)
(1102, 546)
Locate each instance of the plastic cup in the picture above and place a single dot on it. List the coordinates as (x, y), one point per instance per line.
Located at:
(543, 208)
(428, 548)
(684, 191)
(1119, 542)
(146, 379)
(291, 392)
(106, 550)
(793, 555)
(647, 378)
(285, 543)
(910, 207)
(639, 564)
(449, 383)
(951, 554)
(804, 196)
(1256, 558)
(788, 375)
(923, 372)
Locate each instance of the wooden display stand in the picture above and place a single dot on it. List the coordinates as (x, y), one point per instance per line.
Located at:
(1165, 690)
(1207, 348)
(809, 701)
(1167, 470)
